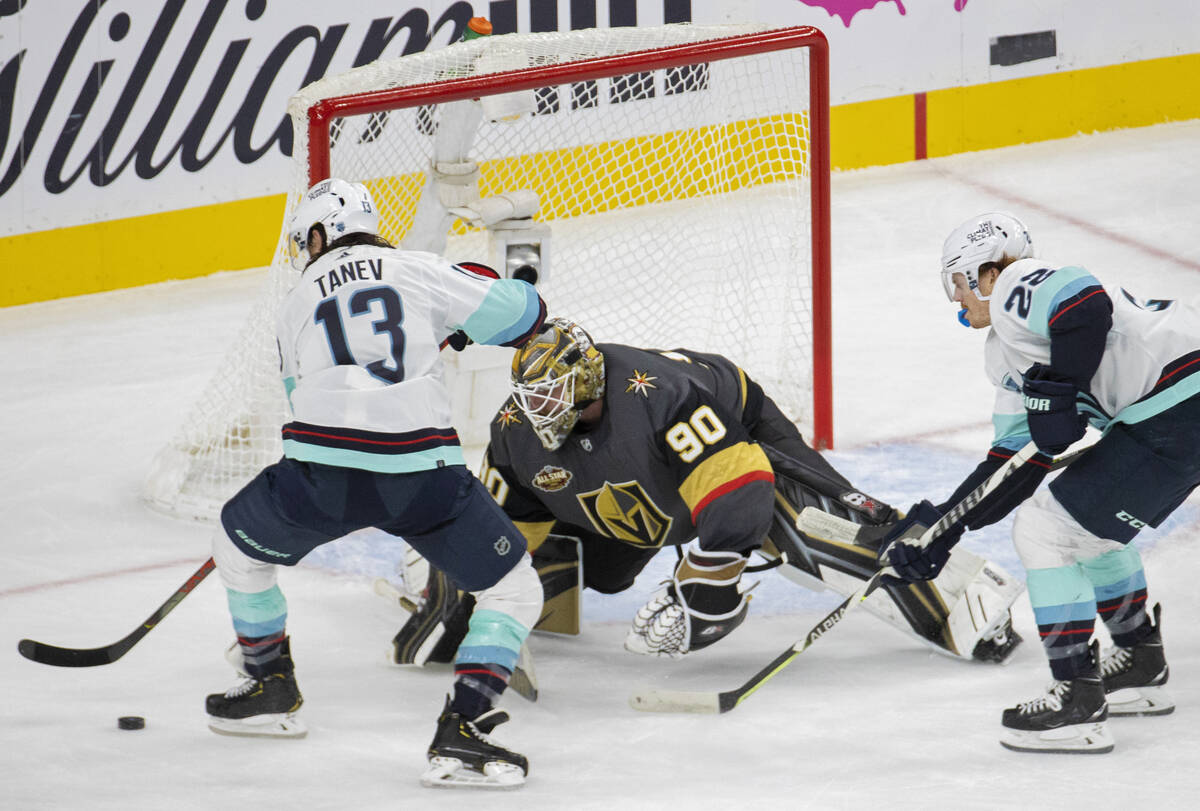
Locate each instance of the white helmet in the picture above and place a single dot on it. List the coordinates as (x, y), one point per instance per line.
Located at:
(339, 208)
(983, 240)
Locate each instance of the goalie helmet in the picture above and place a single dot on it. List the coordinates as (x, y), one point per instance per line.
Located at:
(984, 240)
(558, 373)
(337, 207)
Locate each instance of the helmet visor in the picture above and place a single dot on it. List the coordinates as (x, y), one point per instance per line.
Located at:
(297, 246)
(957, 283)
(547, 400)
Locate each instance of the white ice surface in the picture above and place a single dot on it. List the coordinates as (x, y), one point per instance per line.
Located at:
(93, 386)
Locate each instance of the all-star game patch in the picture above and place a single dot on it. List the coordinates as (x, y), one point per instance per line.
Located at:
(551, 479)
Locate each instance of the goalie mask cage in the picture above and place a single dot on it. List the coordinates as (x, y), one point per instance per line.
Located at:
(682, 172)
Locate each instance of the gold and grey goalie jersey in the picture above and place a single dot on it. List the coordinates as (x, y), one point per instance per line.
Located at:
(670, 460)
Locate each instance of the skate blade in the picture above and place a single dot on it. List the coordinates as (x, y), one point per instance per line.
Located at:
(1083, 739)
(448, 772)
(1134, 701)
(271, 725)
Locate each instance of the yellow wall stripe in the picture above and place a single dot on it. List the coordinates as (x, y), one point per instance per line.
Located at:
(134, 251)
(1059, 105)
(198, 241)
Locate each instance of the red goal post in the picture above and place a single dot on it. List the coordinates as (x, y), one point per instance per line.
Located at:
(681, 179)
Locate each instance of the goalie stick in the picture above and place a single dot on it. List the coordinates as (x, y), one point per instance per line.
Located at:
(91, 657)
(654, 700)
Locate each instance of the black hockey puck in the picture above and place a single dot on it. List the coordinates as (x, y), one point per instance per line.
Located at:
(131, 722)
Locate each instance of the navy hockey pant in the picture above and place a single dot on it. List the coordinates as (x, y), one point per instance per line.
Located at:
(445, 513)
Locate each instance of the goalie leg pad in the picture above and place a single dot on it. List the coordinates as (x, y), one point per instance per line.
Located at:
(704, 602)
(440, 615)
(557, 561)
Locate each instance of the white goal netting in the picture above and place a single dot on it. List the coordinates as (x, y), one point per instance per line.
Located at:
(671, 171)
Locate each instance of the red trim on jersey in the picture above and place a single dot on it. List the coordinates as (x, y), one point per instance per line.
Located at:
(1074, 304)
(731, 485)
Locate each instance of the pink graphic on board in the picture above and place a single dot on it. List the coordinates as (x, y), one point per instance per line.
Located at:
(846, 9)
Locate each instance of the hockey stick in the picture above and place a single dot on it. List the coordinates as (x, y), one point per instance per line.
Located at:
(718, 702)
(820, 524)
(877, 511)
(91, 657)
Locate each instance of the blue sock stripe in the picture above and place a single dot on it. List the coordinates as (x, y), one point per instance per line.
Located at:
(487, 654)
(1053, 615)
(492, 636)
(258, 614)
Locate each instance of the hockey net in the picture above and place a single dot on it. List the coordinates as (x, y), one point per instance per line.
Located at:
(681, 181)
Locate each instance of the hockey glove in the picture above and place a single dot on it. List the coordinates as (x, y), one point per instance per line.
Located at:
(910, 560)
(1054, 422)
(458, 341)
(702, 603)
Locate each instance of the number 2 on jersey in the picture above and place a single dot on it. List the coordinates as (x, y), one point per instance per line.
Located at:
(1022, 296)
(329, 316)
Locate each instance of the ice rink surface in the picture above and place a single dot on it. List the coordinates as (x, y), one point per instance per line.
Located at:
(866, 718)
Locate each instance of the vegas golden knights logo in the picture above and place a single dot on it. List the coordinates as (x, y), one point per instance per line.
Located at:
(624, 511)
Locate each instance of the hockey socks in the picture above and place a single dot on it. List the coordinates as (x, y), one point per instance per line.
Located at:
(477, 687)
(262, 655)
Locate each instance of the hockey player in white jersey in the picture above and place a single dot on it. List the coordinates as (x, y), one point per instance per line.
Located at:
(1064, 351)
(371, 444)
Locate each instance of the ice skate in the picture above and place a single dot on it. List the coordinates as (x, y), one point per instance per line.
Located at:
(1133, 676)
(463, 756)
(1069, 718)
(260, 707)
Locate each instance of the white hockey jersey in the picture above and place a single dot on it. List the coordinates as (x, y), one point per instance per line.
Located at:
(1151, 358)
(359, 340)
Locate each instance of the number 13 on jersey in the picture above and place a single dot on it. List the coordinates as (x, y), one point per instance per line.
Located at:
(381, 301)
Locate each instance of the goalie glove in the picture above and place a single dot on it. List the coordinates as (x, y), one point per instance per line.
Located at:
(702, 602)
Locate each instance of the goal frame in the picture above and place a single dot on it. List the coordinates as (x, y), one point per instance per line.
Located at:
(324, 112)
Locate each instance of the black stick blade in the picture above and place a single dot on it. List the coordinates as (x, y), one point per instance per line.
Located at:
(55, 656)
(67, 657)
